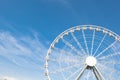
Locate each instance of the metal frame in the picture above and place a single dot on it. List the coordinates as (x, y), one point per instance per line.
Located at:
(95, 71)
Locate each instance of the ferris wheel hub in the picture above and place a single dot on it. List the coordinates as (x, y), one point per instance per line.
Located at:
(91, 61)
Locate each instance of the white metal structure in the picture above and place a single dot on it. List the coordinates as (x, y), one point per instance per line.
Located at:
(85, 52)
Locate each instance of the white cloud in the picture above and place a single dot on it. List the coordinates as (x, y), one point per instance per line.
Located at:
(24, 51)
(11, 46)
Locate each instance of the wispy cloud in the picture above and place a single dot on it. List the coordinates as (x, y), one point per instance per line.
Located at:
(20, 46)
(23, 51)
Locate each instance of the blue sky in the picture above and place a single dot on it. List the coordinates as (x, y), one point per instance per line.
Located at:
(25, 23)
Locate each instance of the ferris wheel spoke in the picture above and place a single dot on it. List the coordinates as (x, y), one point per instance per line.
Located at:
(85, 41)
(99, 45)
(115, 63)
(106, 49)
(65, 60)
(110, 62)
(63, 51)
(93, 37)
(110, 55)
(67, 52)
(78, 43)
(64, 69)
(112, 72)
(73, 73)
(71, 46)
(104, 67)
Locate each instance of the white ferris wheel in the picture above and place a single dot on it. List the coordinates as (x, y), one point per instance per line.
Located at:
(85, 52)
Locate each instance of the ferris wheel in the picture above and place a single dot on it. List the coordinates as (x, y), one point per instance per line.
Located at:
(85, 52)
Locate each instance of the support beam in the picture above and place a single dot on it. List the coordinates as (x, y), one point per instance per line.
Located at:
(97, 73)
(81, 73)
